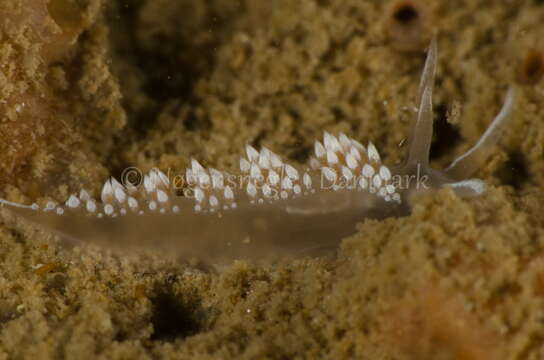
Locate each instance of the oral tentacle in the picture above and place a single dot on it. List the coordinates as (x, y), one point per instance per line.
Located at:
(422, 129)
(472, 160)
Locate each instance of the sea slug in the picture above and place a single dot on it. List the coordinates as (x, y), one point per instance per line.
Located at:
(272, 209)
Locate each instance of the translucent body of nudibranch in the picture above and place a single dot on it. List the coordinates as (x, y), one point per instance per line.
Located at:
(272, 209)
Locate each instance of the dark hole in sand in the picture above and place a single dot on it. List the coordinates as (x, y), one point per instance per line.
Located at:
(193, 122)
(514, 172)
(534, 66)
(338, 113)
(174, 317)
(406, 13)
(446, 136)
(301, 154)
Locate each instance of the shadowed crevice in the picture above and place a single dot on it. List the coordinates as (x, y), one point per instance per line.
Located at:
(514, 172)
(175, 317)
(446, 136)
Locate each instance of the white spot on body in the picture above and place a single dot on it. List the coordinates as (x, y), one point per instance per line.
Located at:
(164, 179)
(228, 194)
(49, 206)
(315, 164)
(132, 203)
(331, 143)
(319, 150)
(73, 202)
(252, 154)
(291, 172)
(267, 191)
(346, 173)
(286, 183)
(199, 194)
(149, 185)
(108, 209)
(218, 180)
(204, 180)
(372, 153)
(91, 206)
(377, 181)
(332, 158)
(197, 168)
(162, 197)
(273, 177)
(214, 202)
(120, 195)
(255, 172)
(329, 173)
(385, 173)
(275, 161)
(344, 141)
(307, 180)
(355, 153)
(363, 183)
(244, 165)
(368, 171)
(264, 160)
(351, 161)
(251, 190)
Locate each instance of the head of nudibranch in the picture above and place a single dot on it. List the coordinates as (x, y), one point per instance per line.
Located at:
(458, 175)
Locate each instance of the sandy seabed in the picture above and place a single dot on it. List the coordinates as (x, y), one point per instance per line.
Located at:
(90, 87)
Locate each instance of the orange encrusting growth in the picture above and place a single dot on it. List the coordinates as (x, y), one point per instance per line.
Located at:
(33, 36)
(432, 325)
(531, 68)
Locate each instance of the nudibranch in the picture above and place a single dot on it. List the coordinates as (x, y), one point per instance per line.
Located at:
(271, 209)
